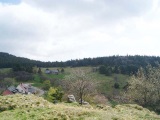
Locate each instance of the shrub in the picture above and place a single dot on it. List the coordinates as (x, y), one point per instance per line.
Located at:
(23, 76)
(46, 85)
(55, 94)
(116, 86)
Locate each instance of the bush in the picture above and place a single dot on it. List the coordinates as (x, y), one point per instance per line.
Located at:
(23, 76)
(62, 70)
(116, 85)
(105, 70)
(102, 70)
(46, 85)
(55, 94)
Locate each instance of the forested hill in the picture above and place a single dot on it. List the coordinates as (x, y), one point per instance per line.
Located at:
(8, 60)
(122, 64)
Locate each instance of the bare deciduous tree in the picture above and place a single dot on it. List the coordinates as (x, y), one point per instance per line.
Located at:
(80, 84)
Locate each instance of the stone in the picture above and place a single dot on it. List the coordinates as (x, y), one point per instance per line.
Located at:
(71, 99)
(84, 102)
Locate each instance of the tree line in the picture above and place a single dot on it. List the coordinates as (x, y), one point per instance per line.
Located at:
(115, 64)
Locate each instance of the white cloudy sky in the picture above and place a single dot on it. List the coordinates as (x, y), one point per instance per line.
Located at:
(59, 30)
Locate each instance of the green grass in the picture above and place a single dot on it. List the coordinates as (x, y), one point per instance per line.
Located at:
(30, 107)
(113, 103)
(37, 82)
(105, 83)
(53, 76)
(37, 78)
(39, 85)
(5, 70)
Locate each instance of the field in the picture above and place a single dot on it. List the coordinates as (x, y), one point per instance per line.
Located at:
(105, 84)
(30, 107)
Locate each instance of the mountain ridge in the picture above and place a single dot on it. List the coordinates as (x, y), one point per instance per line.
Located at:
(119, 64)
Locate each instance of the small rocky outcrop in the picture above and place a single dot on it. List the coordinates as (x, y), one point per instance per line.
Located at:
(71, 99)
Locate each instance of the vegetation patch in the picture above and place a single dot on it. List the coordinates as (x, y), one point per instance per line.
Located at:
(30, 107)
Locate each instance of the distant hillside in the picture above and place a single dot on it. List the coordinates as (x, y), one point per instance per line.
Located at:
(30, 107)
(8, 60)
(118, 64)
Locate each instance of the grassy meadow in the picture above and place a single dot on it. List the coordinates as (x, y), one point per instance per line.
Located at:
(30, 107)
(105, 84)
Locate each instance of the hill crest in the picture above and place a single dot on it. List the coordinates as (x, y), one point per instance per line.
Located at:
(31, 107)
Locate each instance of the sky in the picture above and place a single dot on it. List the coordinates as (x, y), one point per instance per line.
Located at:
(60, 30)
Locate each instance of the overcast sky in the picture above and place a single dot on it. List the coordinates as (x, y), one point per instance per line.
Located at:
(60, 30)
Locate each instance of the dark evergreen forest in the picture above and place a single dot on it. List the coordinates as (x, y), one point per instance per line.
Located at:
(116, 64)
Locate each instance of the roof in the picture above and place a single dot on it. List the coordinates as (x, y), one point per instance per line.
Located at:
(24, 87)
(31, 90)
(12, 88)
(55, 71)
(7, 92)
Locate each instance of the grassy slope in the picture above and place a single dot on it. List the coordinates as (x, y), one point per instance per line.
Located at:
(105, 83)
(5, 70)
(23, 107)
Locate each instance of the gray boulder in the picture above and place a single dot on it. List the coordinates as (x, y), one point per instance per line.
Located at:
(71, 99)
(84, 102)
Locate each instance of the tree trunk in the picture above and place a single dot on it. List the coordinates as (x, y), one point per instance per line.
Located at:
(81, 98)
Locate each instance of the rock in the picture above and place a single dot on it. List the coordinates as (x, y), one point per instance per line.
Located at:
(71, 98)
(84, 102)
